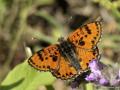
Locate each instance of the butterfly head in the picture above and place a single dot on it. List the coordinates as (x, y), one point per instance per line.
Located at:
(61, 39)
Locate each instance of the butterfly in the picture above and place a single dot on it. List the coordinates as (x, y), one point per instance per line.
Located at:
(72, 55)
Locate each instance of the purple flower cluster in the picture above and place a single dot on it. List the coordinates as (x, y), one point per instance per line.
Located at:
(103, 75)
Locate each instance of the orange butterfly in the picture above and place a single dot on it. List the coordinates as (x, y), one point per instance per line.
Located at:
(71, 56)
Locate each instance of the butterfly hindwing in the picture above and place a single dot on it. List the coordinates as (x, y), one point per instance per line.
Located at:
(85, 56)
(65, 71)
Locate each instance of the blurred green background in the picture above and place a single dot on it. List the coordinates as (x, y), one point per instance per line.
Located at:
(39, 23)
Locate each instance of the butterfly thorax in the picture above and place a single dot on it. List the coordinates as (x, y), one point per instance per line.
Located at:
(67, 50)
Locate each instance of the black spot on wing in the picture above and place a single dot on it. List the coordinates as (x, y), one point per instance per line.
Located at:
(78, 34)
(81, 38)
(70, 73)
(81, 42)
(48, 67)
(43, 66)
(40, 56)
(93, 42)
(46, 58)
(39, 66)
(54, 58)
(94, 37)
(63, 75)
(89, 60)
(76, 41)
(87, 64)
(36, 65)
(94, 53)
(87, 29)
(58, 73)
(55, 53)
(85, 35)
(66, 74)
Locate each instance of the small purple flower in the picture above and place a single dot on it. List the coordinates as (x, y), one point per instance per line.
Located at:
(103, 75)
(95, 65)
(91, 77)
(115, 82)
(104, 82)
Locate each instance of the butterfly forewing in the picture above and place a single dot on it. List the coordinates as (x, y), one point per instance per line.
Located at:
(86, 36)
(45, 59)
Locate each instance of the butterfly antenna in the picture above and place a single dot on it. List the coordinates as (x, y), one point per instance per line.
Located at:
(100, 19)
(68, 20)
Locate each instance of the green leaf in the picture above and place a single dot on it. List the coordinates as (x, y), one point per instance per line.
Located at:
(24, 77)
